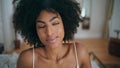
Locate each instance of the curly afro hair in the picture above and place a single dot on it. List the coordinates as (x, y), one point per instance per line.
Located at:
(27, 11)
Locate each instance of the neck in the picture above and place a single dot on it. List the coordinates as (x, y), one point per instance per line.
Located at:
(55, 53)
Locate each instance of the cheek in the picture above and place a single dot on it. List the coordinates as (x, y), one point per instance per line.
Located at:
(40, 34)
(61, 30)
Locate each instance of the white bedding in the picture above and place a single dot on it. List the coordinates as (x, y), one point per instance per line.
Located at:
(8, 61)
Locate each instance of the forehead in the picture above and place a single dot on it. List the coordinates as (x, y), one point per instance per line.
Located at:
(45, 12)
(45, 15)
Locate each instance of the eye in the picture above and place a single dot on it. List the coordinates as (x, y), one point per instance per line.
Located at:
(41, 26)
(56, 23)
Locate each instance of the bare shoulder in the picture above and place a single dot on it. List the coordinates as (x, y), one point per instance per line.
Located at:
(83, 55)
(81, 49)
(25, 59)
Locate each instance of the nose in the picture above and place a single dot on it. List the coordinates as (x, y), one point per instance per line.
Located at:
(49, 31)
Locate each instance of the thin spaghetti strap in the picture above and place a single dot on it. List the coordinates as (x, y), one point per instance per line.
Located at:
(33, 57)
(76, 56)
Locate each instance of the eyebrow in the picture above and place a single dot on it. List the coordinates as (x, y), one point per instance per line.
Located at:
(49, 20)
(53, 18)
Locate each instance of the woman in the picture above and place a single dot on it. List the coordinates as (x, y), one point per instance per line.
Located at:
(46, 24)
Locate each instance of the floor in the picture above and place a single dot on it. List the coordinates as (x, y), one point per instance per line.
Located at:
(98, 46)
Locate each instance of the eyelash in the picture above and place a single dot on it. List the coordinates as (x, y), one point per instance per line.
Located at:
(41, 26)
(56, 23)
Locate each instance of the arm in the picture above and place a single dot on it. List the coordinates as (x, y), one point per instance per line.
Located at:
(25, 59)
(83, 56)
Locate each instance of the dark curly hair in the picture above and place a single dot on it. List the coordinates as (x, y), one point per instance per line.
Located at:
(27, 11)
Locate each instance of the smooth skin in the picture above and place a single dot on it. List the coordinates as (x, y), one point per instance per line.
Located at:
(55, 54)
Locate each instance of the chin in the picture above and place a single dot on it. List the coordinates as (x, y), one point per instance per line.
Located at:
(53, 45)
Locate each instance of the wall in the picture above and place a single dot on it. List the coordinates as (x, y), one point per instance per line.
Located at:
(98, 8)
(7, 26)
(115, 20)
(1, 27)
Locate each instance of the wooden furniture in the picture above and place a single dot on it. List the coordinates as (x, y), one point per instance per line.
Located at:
(114, 46)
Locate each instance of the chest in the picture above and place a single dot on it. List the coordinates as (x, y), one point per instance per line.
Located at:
(53, 64)
(67, 62)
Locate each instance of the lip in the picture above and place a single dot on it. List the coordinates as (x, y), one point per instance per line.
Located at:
(52, 40)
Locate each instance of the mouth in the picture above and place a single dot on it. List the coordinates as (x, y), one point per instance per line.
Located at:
(52, 40)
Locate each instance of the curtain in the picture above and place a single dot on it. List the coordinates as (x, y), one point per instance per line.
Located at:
(109, 10)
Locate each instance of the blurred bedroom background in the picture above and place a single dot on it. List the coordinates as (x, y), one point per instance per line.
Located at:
(99, 31)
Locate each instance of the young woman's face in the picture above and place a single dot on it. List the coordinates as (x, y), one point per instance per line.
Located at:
(50, 28)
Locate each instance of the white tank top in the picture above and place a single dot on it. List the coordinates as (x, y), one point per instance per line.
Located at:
(76, 56)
